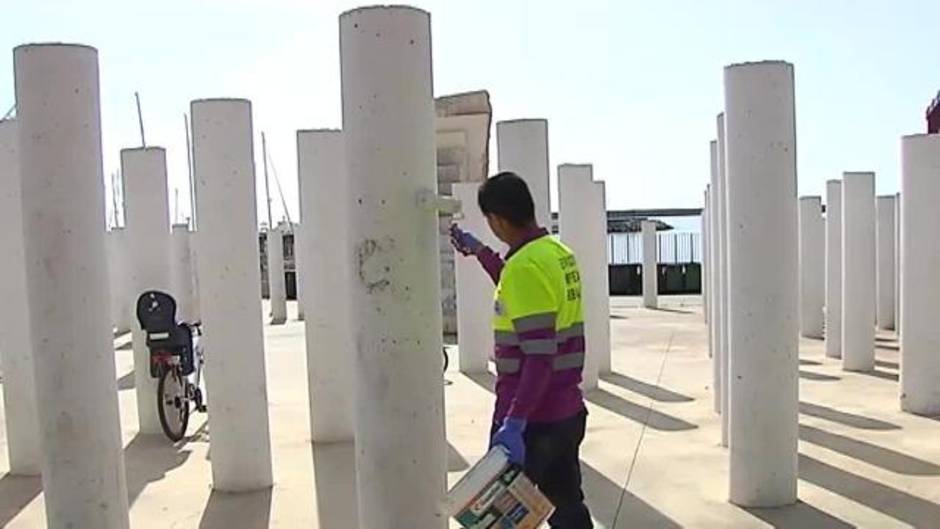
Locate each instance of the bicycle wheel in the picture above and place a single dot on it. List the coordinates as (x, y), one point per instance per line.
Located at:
(173, 403)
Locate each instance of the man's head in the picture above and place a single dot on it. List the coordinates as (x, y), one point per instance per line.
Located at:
(507, 204)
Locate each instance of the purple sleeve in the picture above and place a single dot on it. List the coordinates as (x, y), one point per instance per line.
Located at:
(536, 374)
(491, 262)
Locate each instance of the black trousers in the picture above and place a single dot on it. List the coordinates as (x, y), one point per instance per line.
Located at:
(552, 462)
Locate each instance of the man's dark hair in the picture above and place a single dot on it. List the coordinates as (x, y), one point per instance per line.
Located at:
(507, 196)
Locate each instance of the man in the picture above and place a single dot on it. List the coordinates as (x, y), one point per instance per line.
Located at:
(539, 331)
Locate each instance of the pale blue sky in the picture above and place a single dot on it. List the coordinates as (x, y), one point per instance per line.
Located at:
(632, 87)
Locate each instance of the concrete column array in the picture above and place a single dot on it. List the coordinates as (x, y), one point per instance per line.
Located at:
(578, 228)
(16, 346)
(600, 310)
(650, 268)
(763, 304)
(523, 149)
(389, 127)
(834, 269)
(182, 285)
(715, 318)
(121, 313)
(858, 271)
(277, 289)
(327, 257)
(474, 289)
(920, 261)
(812, 267)
(724, 320)
(230, 294)
(885, 259)
(59, 133)
(147, 235)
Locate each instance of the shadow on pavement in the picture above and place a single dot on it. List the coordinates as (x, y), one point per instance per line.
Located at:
(334, 484)
(16, 492)
(889, 346)
(486, 380)
(848, 419)
(127, 346)
(892, 502)
(603, 498)
(455, 460)
(147, 458)
(887, 364)
(674, 311)
(872, 454)
(654, 392)
(126, 381)
(818, 377)
(799, 515)
(227, 510)
(641, 414)
(881, 374)
(809, 362)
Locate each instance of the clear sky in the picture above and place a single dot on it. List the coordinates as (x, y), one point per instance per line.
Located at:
(632, 87)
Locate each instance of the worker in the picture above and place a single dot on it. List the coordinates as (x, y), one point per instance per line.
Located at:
(540, 415)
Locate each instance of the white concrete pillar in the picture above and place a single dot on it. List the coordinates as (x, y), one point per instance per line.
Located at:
(650, 269)
(602, 281)
(121, 313)
(230, 294)
(147, 234)
(330, 340)
(277, 289)
(834, 269)
(388, 123)
(884, 270)
(299, 257)
(858, 271)
(59, 124)
(523, 149)
(577, 205)
(812, 250)
(16, 346)
(897, 263)
(474, 288)
(181, 272)
(920, 261)
(714, 232)
(706, 266)
(723, 283)
(763, 298)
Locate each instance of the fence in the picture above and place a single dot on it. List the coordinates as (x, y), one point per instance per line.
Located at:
(672, 248)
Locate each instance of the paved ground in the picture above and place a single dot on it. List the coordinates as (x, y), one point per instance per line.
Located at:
(651, 458)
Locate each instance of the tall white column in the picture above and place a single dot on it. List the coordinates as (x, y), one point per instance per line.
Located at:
(602, 282)
(920, 261)
(715, 321)
(522, 146)
(330, 340)
(230, 294)
(474, 288)
(724, 283)
(885, 271)
(706, 266)
(277, 290)
(181, 272)
(59, 123)
(16, 346)
(388, 123)
(299, 258)
(650, 273)
(897, 263)
(576, 209)
(858, 271)
(834, 269)
(812, 267)
(121, 312)
(147, 234)
(763, 305)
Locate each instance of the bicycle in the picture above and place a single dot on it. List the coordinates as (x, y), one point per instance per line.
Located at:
(176, 360)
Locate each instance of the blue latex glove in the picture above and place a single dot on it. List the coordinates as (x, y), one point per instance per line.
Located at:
(463, 241)
(509, 436)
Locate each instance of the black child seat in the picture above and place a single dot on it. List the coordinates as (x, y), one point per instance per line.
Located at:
(156, 312)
